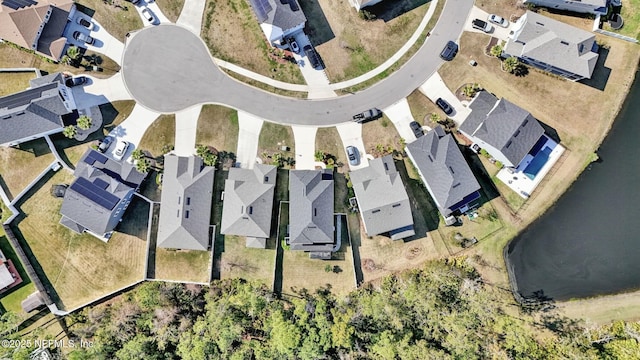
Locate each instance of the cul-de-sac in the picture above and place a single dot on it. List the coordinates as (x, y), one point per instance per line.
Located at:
(335, 160)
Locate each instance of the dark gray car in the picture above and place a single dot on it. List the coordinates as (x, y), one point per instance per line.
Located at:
(449, 52)
(105, 144)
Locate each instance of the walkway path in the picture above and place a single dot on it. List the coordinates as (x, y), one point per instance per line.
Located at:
(186, 129)
(435, 88)
(400, 115)
(351, 135)
(191, 15)
(263, 79)
(248, 136)
(305, 144)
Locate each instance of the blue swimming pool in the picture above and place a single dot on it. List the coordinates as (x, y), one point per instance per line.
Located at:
(537, 163)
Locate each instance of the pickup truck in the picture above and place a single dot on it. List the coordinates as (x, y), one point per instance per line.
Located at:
(367, 115)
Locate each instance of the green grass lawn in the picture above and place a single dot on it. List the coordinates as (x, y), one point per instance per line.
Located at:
(162, 132)
(80, 268)
(171, 8)
(631, 15)
(218, 127)
(182, 265)
(272, 138)
(239, 261)
(11, 82)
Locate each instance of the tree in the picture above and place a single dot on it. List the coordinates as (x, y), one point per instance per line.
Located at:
(434, 117)
(510, 64)
(470, 90)
(496, 50)
(84, 122)
(143, 166)
(137, 154)
(70, 131)
(318, 155)
(208, 157)
(73, 52)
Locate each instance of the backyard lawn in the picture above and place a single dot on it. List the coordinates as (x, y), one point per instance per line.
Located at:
(33, 156)
(81, 268)
(239, 261)
(182, 265)
(218, 127)
(231, 25)
(11, 82)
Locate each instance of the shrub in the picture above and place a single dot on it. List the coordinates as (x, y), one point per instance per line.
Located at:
(366, 15)
(84, 122)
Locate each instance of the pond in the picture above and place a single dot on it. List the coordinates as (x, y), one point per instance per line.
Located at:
(588, 244)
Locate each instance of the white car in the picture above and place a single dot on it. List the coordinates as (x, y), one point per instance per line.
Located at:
(498, 20)
(121, 150)
(149, 16)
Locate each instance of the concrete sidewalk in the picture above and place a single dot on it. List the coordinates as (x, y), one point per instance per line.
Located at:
(400, 115)
(191, 15)
(304, 139)
(248, 136)
(351, 135)
(255, 76)
(186, 129)
(435, 88)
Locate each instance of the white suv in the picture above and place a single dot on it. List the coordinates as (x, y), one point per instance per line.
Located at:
(121, 150)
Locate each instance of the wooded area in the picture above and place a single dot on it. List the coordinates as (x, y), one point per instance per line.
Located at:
(443, 311)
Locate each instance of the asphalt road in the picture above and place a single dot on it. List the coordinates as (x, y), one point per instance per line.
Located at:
(167, 68)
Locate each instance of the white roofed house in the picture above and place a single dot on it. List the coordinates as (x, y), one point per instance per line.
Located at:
(553, 46)
(279, 19)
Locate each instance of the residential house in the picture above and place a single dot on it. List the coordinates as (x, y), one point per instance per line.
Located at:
(35, 112)
(382, 199)
(279, 19)
(444, 172)
(503, 129)
(359, 4)
(248, 204)
(185, 204)
(514, 137)
(99, 195)
(596, 7)
(553, 46)
(37, 25)
(311, 217)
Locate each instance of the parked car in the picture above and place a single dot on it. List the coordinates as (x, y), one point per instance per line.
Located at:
(105, 144)
(498, 20)
(416, 128)
(313, 56)
(76, 81)
(148, 15)
(294, 46)
(83, 37)
(475, 148)
(481, 25)
(86, 23)
(442, 104)
(449, 52)
(121, 149)
(367, 115)
(354, 155)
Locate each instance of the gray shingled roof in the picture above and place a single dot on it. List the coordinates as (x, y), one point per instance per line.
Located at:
(185, 204)
(553, 42)
(285, 14)
(311, 223)
(503, 125)
(248, 201)
(444, 169)
(31, 112)
(120, 177)
(382, 199)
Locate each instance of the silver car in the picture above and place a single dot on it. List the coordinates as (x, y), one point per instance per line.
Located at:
(354, 155)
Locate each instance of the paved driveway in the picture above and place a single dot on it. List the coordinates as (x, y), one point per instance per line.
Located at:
(100, 91)
(498, 31)
(187, 76)
(186, 129)
(191, 15)
(248, 135)
(106, 44)
(305, 140)
(351, 135)
(435, 88)
(133, 128)
(400, 115)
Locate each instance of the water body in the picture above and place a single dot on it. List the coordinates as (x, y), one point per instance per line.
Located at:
(589, 243)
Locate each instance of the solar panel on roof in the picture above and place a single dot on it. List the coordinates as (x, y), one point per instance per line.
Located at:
(16, 4)
(262, 8)
(94, 156)
(101, 183)
(10, 4)
(92, 192)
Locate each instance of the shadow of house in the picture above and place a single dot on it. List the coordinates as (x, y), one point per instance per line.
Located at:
(601, 74)
(317, 28)
(135, 219)
(391, 9)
